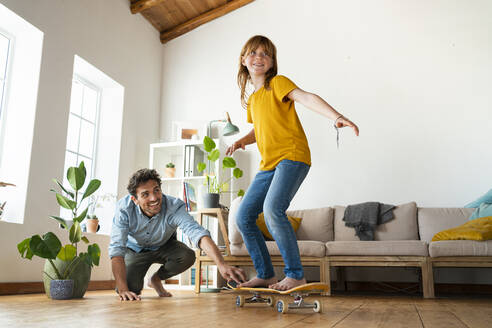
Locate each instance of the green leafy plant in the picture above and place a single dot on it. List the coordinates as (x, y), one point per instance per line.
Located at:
(213, 185)
(49, 246)
(170, 165)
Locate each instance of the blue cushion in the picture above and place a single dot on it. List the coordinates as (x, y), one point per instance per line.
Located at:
(485, 209)
(487, 198)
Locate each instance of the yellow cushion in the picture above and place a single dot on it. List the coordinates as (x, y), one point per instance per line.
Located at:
(260, 222)
(478, 229)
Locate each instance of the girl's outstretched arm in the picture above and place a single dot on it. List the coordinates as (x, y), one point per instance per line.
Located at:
(317, 104)
(242, 143)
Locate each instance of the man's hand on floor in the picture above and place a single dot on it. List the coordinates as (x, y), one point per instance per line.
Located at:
(128, 296)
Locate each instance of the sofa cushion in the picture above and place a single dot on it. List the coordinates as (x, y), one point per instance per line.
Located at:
(316, 224)
(479, 229)
(234, 234)
(434, 220)
(306, 248)
(460, 248)
(260, 222)
(402, 227)
(377, 248)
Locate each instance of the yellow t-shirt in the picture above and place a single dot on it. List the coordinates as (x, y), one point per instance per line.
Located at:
(278, 131)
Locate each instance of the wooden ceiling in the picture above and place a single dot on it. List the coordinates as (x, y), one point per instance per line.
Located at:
(173, 18)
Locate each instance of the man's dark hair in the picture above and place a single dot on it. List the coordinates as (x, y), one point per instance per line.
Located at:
(141, 177)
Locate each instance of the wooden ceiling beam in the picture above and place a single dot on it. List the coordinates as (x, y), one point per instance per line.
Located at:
(140, 5)
(202, 19)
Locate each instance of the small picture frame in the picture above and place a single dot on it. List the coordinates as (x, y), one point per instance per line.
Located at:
(188, 130)
(189, 133)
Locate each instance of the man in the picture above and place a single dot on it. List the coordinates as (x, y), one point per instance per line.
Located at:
(143, 233)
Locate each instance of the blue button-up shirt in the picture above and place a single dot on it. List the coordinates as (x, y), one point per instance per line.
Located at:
(133, 229)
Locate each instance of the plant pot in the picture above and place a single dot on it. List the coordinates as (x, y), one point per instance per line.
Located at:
(92, 225)
(61, 289)
(210, 200)
(80, 276)
(169, 172)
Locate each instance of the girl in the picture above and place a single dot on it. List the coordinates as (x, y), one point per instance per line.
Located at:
(285, 159)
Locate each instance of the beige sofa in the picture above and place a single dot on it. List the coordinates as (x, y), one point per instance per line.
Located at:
(452, 253)
(324, 241)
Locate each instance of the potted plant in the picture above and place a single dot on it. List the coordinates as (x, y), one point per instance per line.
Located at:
(170, 170)
(65, 262)
(92, 223)
(215, 187)
(96, 201)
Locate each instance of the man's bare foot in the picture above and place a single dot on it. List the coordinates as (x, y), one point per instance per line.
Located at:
(156, 283)
(287, 283)
(258, 282)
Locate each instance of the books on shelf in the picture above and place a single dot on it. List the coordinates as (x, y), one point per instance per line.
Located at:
(189, 196)
(185, 199)
(203, 280)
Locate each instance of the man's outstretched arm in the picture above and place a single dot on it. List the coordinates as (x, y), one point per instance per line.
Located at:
(227, 272)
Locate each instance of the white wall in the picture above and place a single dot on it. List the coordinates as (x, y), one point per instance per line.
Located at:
(414, 75)
(125, 47)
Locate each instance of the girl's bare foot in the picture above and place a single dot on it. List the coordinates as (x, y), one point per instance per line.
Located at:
(287, 283)
(156, 283)
(258, 282)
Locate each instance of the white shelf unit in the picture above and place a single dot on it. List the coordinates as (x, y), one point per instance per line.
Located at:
(162, 153)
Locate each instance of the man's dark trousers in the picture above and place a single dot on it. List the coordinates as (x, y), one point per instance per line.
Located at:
(174, 256)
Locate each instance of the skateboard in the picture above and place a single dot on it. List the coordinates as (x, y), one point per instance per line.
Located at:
(298, 293)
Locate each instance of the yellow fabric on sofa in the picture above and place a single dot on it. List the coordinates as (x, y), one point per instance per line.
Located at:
(260, 222)
(478, 229)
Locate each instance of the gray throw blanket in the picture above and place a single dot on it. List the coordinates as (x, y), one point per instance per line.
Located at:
(366, 216)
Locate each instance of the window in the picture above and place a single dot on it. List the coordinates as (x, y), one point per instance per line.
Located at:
(94, 136)
(21, 46)
(82, 125)
(4, 60)
(82, 131)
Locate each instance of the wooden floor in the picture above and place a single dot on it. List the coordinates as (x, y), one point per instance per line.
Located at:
(186, 309)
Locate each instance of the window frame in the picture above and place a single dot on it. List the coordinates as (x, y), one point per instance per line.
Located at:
(87, 84)
(5, 85)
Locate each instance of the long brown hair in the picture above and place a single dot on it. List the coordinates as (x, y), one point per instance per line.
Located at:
(243, 75)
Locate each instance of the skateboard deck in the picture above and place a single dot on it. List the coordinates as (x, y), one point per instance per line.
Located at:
(298, 293)
(311, 287)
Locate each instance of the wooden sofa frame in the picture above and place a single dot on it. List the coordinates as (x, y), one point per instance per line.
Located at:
(421, 262)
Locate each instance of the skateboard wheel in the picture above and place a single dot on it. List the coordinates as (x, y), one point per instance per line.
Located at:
(317, 306)
(270, 301)
(281, 307)
(240, 300)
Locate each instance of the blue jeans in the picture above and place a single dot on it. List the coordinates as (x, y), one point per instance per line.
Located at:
(271, 193)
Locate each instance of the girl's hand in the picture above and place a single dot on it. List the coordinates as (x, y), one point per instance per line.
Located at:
(235, 146)
(342, 122)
